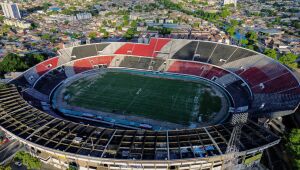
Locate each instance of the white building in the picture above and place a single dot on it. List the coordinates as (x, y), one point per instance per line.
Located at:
(225, 2)
(83, 16)
(11, 10)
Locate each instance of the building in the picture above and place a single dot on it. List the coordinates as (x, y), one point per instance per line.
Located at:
(17, 23)
(83, 16)
(11, 10)
(226, 2)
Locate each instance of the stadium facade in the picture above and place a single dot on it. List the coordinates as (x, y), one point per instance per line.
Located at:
(258, 86)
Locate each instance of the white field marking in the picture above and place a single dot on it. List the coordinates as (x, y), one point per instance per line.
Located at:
(139, 91)
(135, 97)
(196, 102)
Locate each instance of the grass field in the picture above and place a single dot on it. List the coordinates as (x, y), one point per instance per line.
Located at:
(175, 101)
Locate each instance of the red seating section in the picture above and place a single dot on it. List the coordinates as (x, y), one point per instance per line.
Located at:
(47, 65)
(254, 76)
(146, 50)
(187, 68)
(214, 72)
(281, 83)
(197, 69)
(88, 63)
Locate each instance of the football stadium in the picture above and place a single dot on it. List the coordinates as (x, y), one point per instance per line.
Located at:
(165, 104)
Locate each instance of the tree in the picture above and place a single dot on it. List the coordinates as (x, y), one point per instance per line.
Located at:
(165, 31)
(46, 37)
(33, 26)
(5, 168)
(230, 31)
(244, 42)
(234, 22)
(293, 145)
(133, 23)
(13, 62)
(4, 29)
(29, 161)
(289, 59)
(92, 35)
(129, 34)
(225, 13)
(2, 18)
(252, 37)
(271, 53)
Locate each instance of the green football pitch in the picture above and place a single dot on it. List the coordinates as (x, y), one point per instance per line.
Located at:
(171, 100)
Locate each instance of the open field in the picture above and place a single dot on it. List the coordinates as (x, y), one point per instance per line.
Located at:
(171, 100)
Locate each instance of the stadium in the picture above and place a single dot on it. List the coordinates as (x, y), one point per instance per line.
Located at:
(165, 104)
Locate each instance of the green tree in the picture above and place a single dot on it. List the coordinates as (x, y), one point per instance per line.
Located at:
(4, 29)
(2, 18)
(244, 42)
(129, 33)
(289, 59)
(13, 62)
(92, 35)
(133, 23)
(29, 161)
(234, 22)
(33, 26)
(5, 168)
(46, 37)
(271, 53)
(252, 37)
(33, 59)
(230, 31)
(225, 13)
(293, 145)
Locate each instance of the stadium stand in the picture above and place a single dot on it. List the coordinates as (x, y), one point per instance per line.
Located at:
(187, 52)
(37, 95)
(183, 67)
(227, 79)
(55, 76)
(239, 54)
(135, 62)
(214, 72)
(31, 76)
(47, 65)
(88, 50)
(256, 84)
(21, 82)
(157, 64)
(89, 63)
(281, 83)
(72, 138)
(146, 50)
(221, 54)
(204, 51)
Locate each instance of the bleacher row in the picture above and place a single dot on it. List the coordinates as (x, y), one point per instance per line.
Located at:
(262, 74)
(43, 130)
